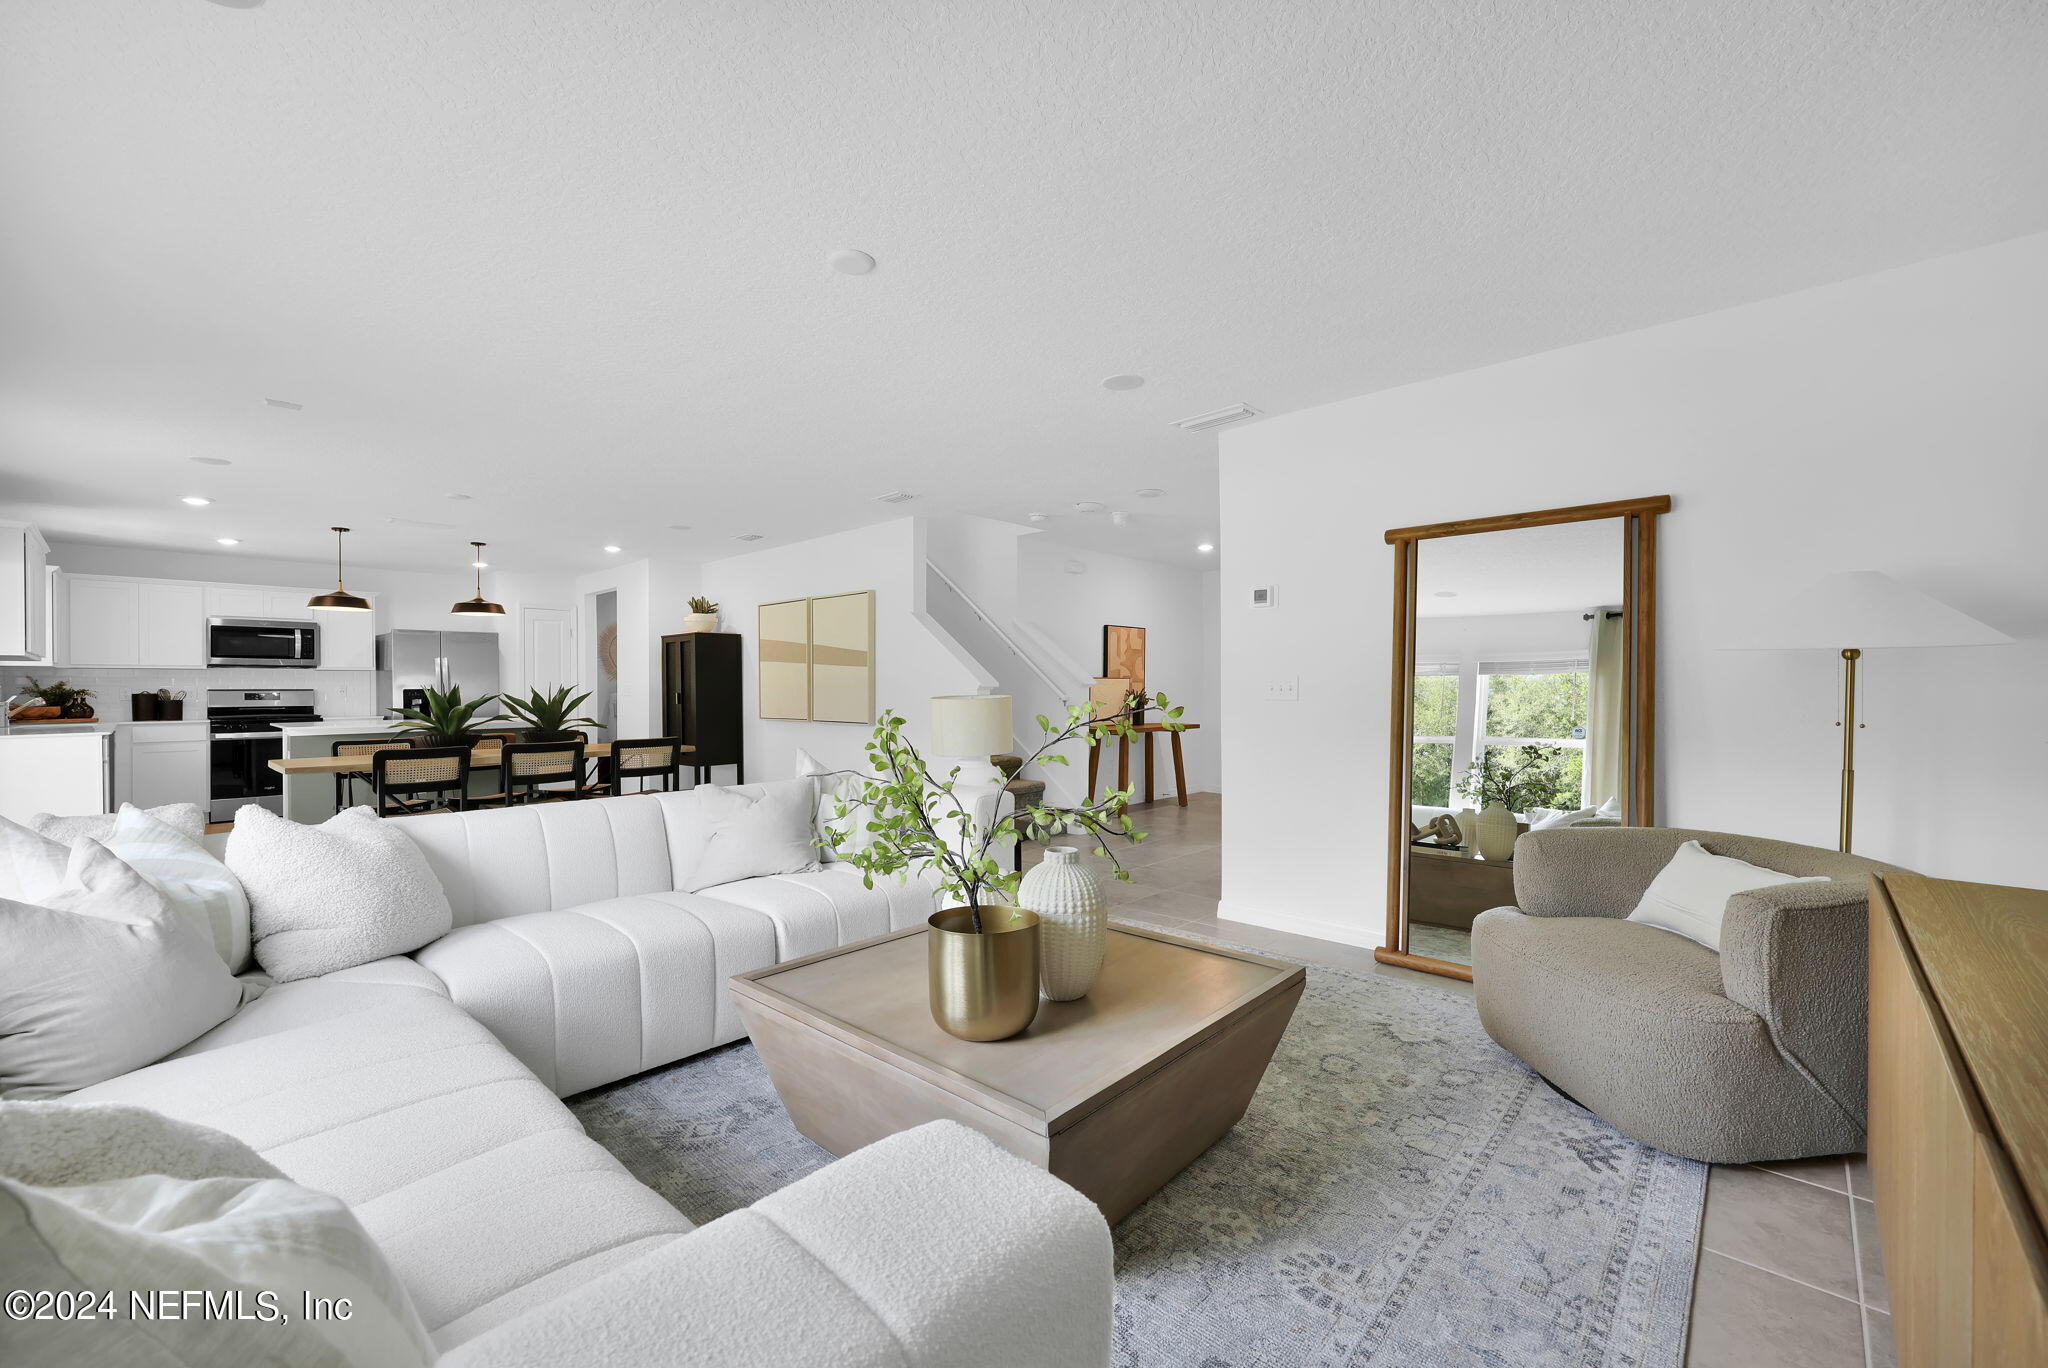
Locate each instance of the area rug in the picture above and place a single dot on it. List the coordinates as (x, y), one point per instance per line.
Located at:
(1401, 1192)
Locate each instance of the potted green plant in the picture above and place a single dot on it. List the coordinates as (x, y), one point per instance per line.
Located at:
(703, 615)
(1507, 780)
(548, 716)
(448, 719)
(984, 961)
(67, 699)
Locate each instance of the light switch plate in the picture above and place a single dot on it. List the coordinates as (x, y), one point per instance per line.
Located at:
(1284, 690)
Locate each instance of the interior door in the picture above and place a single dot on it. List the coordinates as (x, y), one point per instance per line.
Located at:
(549, 651)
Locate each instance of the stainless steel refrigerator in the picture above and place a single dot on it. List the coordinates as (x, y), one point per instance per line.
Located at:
(410, 662)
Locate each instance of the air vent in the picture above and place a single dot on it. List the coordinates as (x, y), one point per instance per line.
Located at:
(894, 496)
(748, 536)
(1202, 422)
(284, 404)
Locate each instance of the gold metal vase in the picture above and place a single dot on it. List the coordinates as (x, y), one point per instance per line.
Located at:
(984, 984)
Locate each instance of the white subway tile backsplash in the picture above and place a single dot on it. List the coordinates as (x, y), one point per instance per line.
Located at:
(338, 693)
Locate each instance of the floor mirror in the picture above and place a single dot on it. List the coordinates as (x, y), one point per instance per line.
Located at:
(1524, 696)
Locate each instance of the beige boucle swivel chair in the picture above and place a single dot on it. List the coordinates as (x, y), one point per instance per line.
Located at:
(1753, 1053)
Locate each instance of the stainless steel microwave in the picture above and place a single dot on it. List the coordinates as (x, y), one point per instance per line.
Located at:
(262, 642)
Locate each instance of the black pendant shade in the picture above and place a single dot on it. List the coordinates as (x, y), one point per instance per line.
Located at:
(478, 606)
(341, 598)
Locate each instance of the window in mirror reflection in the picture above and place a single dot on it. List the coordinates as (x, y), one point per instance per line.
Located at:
(1436, 724)
(1536, 730)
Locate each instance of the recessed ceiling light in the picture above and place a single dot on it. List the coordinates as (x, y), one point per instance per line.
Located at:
(462, 498)
(1150, 493)
(209, 460)
(228, 541)
(1446, 593)
(1088, 506)
(278, 403)
(1036, 517)
(196, 500)
(611, 550)
(849, 261)
(1123, 382)
(1206, 546)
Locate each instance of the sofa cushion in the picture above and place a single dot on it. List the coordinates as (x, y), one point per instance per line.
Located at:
(346, 892)
(475, 1182)
(545, 857)
(102, 977)
(830, 907)
(372, 987)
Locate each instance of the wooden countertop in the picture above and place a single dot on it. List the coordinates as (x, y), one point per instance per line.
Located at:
(483, 757)
(1984, 949)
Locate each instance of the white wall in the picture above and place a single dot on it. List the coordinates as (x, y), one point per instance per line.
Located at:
(911, 664)
(1893, 422)
(406, 599)
(1176, 607)
(651, 600)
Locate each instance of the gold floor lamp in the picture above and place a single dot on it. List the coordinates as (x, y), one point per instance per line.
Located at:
(1853, 611)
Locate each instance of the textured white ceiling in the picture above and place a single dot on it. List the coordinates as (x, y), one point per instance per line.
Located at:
(568, 257)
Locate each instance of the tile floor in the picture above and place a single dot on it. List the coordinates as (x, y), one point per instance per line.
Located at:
(1790, 1275)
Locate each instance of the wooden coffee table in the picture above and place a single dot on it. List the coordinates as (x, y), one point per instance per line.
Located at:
(1114, 1093)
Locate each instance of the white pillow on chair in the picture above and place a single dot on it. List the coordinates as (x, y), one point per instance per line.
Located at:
(1690, 895)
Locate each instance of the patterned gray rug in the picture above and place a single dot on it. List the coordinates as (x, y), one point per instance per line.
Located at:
(1401, 1192)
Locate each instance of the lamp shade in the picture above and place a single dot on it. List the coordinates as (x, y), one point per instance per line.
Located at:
(1865, 610)
(975, 725)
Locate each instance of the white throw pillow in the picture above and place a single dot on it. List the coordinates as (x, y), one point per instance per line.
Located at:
(100, 979)
(1611, 809)
(188, 818)
(351, 890)
(1690, 894)
(191, 878)
(840, 834)
(119, 1199)
(746, 833)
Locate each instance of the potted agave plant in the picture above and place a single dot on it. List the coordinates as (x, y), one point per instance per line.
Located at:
(449, 719)
(548, 716)
(703, 615)
(984, 951)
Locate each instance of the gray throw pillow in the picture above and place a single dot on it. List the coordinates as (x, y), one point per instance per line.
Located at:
(321, 898)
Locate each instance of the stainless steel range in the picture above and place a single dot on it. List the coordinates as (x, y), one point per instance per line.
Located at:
(244, 740)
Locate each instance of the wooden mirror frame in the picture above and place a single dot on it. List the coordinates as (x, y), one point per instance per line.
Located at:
(1639, 632)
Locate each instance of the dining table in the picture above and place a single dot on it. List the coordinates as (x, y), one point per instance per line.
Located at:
(483, 757)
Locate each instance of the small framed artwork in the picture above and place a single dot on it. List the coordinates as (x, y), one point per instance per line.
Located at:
(784, 667)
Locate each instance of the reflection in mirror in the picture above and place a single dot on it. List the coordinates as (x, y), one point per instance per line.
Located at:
(1518, 711)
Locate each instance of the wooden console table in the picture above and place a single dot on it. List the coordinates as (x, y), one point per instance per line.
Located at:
(1123, 758)
(1959, 1117)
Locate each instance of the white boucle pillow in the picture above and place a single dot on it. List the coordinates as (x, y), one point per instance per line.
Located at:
(100, 977)
(118, 1198)
(749, 833)
(321, 898)
(1690, 894)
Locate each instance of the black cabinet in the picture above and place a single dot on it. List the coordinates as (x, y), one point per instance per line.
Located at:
(700, 699)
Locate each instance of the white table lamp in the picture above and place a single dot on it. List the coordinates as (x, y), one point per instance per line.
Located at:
(971, 726)
(1853, 611)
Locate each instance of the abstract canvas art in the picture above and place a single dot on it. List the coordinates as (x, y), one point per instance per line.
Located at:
(817, 659)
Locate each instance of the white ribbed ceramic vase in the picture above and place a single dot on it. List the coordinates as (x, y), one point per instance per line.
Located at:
(1073, 924)
(1496, 832)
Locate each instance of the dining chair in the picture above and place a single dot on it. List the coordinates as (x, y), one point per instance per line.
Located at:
(428, 779)
(345, 784)
(659, 757)
(525, 768)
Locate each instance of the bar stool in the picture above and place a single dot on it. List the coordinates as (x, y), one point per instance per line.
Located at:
(345, 784)
(525, 767)
(429, 774)
(658, 757)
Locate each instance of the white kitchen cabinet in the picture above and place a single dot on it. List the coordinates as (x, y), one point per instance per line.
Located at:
(348, 641)
(103, 621)
(287, 605)
(161, 762)
(234, 600)
(172, 626)
(24, 594)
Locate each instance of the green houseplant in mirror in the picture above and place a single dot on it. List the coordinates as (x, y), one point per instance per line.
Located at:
(906, 818)
(1507, 780)
(549, 716)
(448, 719)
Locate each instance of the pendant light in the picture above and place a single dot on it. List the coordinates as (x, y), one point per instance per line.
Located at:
(479, 604)
(341, 599)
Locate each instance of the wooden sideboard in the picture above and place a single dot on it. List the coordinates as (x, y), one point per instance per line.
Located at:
(1959, 1118)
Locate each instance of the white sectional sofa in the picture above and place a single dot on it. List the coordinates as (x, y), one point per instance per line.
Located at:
(422, 1090)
